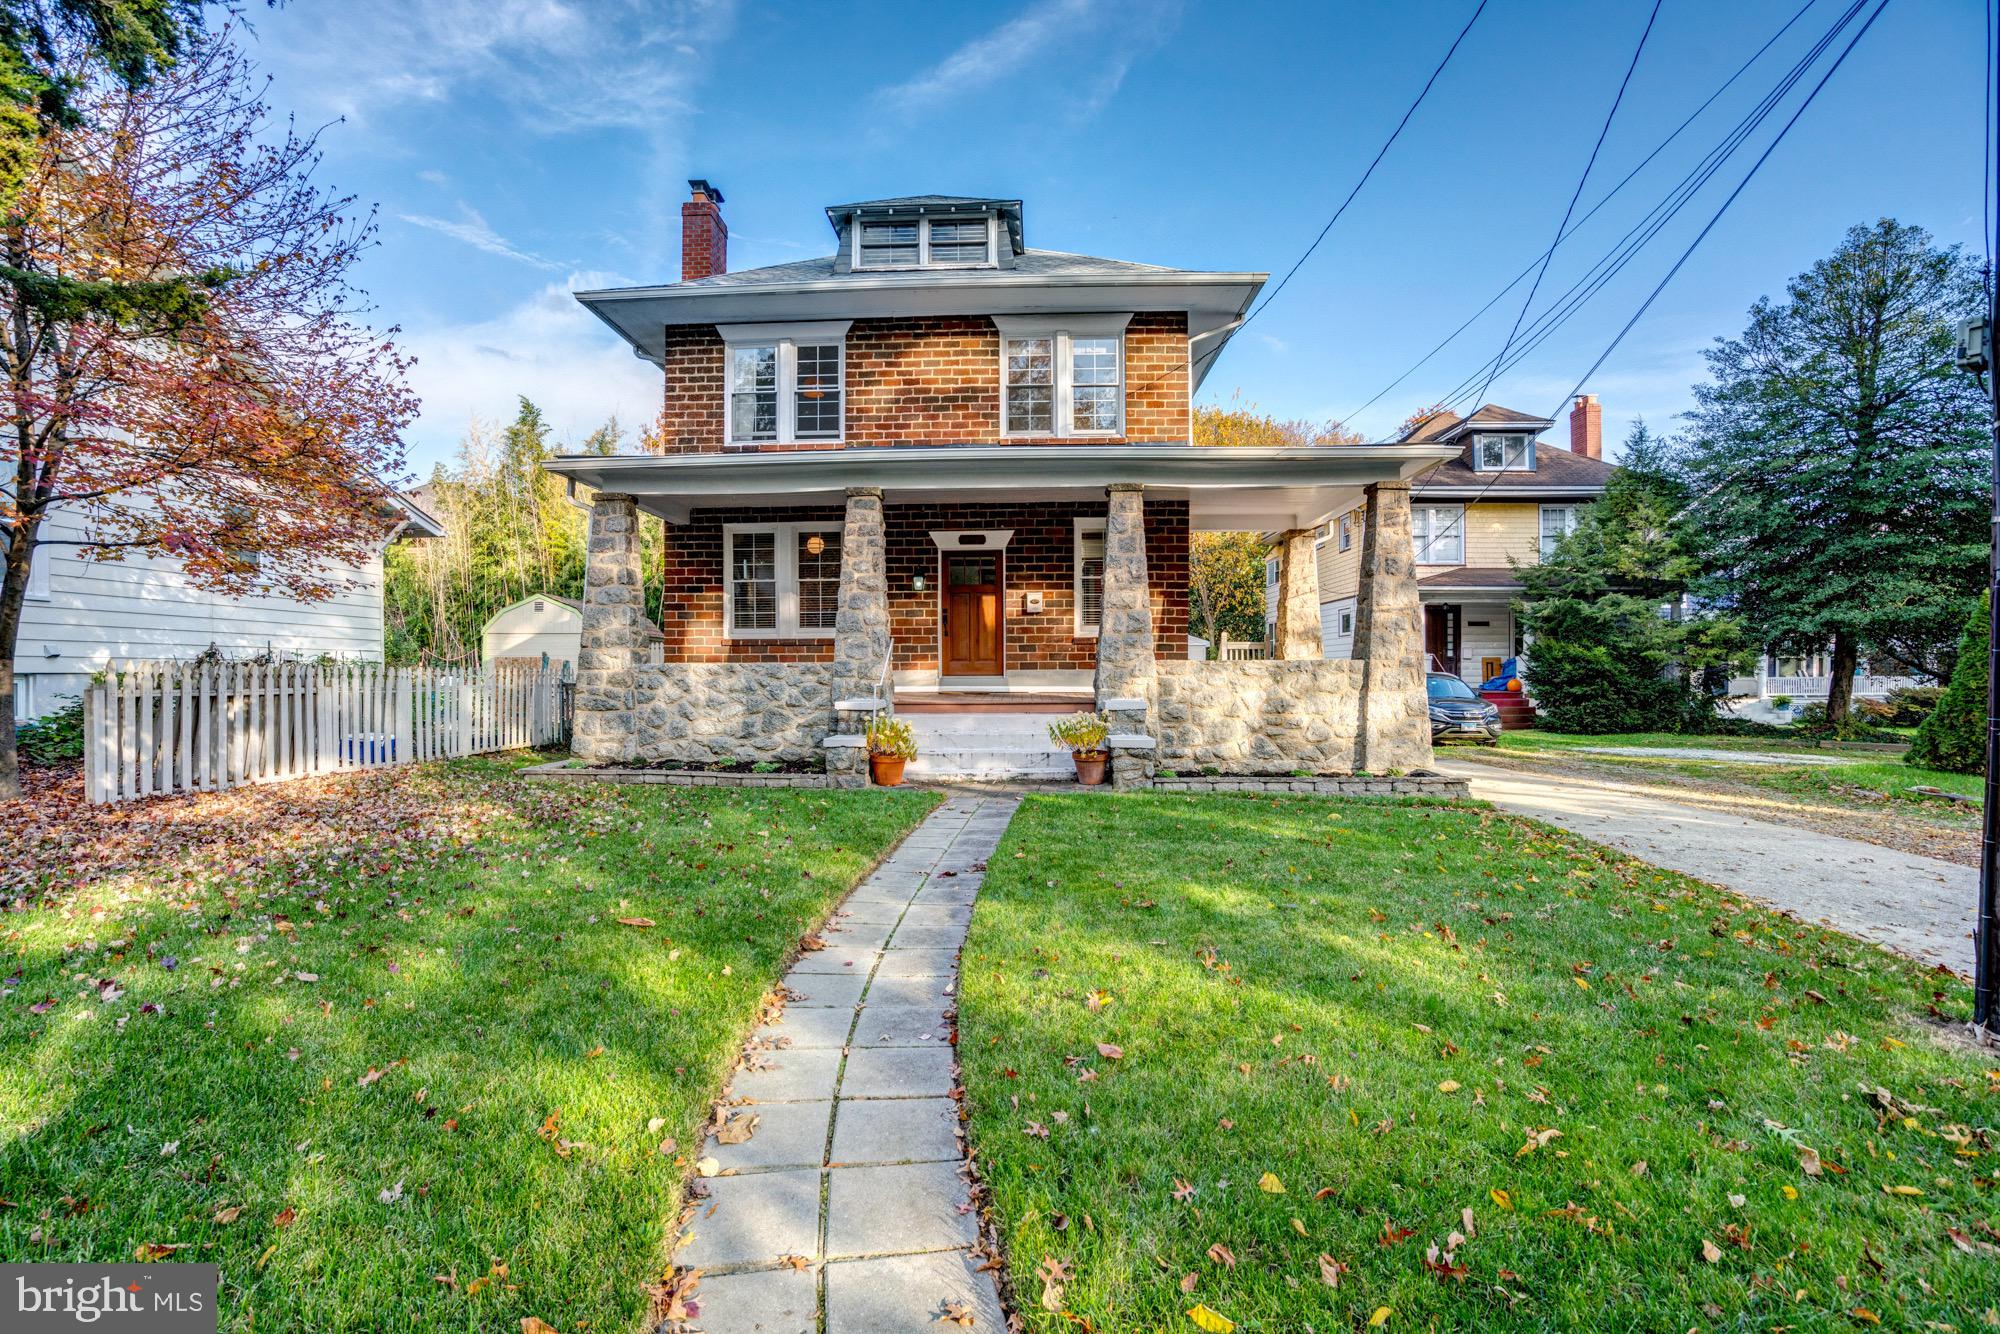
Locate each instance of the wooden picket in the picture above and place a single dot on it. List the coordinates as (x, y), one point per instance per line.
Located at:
(153, 728)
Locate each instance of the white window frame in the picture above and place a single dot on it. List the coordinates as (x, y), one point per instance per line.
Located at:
(1343, 620)
(38, 589)
(1062, 332)
(1424, 547)
(1347, 532)
(924, 260)
(787, 339)
(1085, 524)
(1506, 438)
(786, 547)
(1575, 512)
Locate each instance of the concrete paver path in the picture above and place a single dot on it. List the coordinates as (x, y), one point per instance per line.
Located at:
(1917, 906)
(848, 1208)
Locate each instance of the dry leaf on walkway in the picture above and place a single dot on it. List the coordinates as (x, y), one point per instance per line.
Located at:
(737, 1129)
(955, 1313)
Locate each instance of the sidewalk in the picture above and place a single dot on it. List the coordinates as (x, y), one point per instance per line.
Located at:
(847, 1207)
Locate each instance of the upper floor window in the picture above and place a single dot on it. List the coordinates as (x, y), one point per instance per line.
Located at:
(924, 243)
(1438, 534)
(1503, 453)
(1558, 522)
(1347, 532)
(785, 383)
(1062, 382)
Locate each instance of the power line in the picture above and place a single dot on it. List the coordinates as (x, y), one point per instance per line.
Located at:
(1575, 195)
(1748, 176)
(1381, 153)
(1642, 233)
(1593, 211)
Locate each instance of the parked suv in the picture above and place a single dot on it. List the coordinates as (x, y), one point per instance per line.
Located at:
(1457, 714)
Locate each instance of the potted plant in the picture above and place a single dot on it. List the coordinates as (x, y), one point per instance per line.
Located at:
(891, 745)
(1083, 734)
(1782, 706)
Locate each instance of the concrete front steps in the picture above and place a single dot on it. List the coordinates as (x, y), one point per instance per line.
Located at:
(994, 746)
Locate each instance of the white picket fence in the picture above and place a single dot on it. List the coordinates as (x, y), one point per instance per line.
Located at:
(157, 728)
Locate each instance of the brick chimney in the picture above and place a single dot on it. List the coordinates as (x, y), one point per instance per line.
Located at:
(1586, 427)
(704, 235)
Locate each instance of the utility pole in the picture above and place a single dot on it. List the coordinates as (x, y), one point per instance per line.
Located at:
(1975, 354)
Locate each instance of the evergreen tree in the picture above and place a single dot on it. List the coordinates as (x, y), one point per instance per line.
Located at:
(1838, 459)
(1613, 645)
(1953, 738)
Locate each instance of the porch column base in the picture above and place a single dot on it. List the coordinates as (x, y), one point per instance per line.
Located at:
(1395, 731)
(847, 760)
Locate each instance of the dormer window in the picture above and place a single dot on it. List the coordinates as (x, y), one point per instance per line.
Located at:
(925, 243)
(1503, 453)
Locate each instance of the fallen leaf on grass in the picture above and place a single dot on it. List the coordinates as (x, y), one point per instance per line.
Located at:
(1901, 1190)
(1501, 1198)
(531, 1324)
(1212, 1321)
(229, 1214)
(1188, 1280)
(285, 1216)
(636, 921)
(1222, 1255)
(1053, 1273)
(1270, 1185)
(1110, 1051)
(1710, 1251)
(1380, 1318)
(148, 1251)
(391, 1195)
(1448, 1086)
(1330, 1270)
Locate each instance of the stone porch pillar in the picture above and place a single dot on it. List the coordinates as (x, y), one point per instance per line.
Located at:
(1389, 639)
(1296, 634)
(861, 643)
(1125, 662)
(614, 632)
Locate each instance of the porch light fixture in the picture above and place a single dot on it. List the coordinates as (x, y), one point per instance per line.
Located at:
(815, 545)
(916, 583)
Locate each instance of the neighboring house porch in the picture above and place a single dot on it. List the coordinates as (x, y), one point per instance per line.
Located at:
(810, 590)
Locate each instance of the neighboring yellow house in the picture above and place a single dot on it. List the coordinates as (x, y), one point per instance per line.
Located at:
(1507, 497)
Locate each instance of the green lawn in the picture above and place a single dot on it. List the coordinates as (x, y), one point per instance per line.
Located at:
(381, 1048)
(1382, 1006)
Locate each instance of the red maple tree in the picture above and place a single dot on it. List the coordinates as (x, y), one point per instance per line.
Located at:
(188, 368)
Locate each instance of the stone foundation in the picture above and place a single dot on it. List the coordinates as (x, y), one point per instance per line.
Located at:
(1256, 717)
(705, 712)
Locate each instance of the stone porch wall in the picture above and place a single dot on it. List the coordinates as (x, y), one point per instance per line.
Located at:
(1259, 717)
(702, 712)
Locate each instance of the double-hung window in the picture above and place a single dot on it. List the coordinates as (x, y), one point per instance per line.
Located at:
(1558, 522)
(1503, 453)
(780, 580)
(1089, 576)
(925, 243)
(1438, 533)
(1062, 381)
(786, 384)
(1347, 532)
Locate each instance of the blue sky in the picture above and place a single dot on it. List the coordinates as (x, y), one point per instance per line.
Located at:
(522, 149)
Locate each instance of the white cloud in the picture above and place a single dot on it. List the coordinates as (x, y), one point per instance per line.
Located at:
(548, 348)
(1111, 33)
(472, 229)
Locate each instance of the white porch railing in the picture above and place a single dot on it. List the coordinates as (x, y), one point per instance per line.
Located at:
(1817, 687)
(156, 728)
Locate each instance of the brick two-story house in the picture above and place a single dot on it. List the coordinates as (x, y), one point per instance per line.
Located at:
(1503, 499)
(940, 472)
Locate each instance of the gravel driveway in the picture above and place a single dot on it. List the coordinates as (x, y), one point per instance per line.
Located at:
(1917, 906)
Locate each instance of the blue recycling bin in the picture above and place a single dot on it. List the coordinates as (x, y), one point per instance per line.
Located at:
(368, 748)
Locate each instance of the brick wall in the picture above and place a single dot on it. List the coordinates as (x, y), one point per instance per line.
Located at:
(928, 382)
(1039, 557)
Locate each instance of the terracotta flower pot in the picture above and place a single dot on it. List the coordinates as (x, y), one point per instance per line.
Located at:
(1089, 768)
(887, 770)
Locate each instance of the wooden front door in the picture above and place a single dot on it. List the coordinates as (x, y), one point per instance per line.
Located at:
(973, 620)
(1441, 638)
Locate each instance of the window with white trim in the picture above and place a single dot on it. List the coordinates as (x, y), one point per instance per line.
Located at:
(1558, 522)
(39, 562)
(1347, 532)
(785, 384)
(1503, 453)
(1089, 575)
(925, 243)
(1438, 534)
(1344, 619)
(780, 580)
(1062, 382)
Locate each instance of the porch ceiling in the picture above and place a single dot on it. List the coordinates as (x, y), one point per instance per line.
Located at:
(1226, 489)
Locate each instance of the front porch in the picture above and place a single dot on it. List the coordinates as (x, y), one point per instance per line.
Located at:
(810, 592)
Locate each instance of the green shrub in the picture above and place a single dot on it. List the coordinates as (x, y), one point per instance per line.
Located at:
(55, 737)
(1953, 738)
(891, 738)
(1081, 733)
(1908, 706)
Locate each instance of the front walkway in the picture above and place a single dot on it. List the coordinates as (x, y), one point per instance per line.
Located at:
(1917, 906)
(848, 1206)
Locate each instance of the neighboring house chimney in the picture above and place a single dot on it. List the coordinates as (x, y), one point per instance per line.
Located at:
(1586, 427)
(704, 235)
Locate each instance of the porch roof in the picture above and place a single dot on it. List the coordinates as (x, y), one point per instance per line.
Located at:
(1251, 489)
